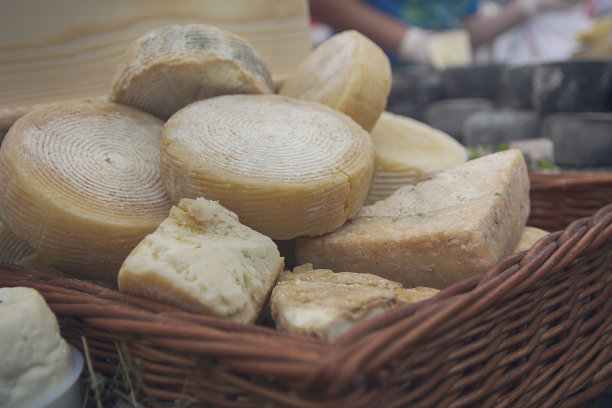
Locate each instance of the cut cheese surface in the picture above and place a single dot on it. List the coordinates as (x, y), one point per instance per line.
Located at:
(202, 259)
(170, 67)
(348, 72)
(437, 232)
(287, 167)
(81, 184)
(34, 358)
(408, 151)
(323, 304)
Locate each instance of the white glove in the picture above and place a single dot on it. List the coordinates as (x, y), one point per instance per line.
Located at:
(532, 7)
(414, 47)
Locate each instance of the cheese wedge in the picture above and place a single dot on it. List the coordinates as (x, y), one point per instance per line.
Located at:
(408, 151)
(529, 236)
(12, 248)
(323, 304)
(348, 72)
(80, 183)
(202, 259)
(34, 358)
(174, 65)
(437, 232)
(287, 167)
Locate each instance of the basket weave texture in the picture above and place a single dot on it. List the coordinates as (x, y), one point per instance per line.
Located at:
(534, 331)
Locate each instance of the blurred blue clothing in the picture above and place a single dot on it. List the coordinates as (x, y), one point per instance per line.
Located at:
(428, 14)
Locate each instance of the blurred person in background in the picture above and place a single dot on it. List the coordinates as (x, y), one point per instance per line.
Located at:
(581, 31)
(405, 29)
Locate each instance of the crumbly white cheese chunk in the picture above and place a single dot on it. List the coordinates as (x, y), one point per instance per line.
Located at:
(323, 304)
(34, 358)
(202, 259)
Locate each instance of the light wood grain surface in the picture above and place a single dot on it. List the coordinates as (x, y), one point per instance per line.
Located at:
(61, 49)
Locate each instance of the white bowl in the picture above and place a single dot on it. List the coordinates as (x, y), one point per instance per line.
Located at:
(68, 394)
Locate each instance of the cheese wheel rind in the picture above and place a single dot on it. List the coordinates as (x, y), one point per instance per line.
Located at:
(174, 65)
(81, 183)
(287, 167)
(347, 72)
(12, 248)
(408, 151)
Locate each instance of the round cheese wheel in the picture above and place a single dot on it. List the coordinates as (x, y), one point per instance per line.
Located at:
(172, 66)
(408, 151)
(286, 167)
(81, 184)
(348, 72)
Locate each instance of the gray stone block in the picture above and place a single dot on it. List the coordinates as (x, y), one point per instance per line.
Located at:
(580, 139)
(573, 86)
(474, 81)
(449, 115)
(517, 85)
(412, 89)
(497, 126)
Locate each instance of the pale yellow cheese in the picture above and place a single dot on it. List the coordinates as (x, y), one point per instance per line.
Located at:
(348, 72)
(323, 304)
(437, 232)
(34, 358)
(287, 167)
(529, 236)
(408, 151)
(12, 248)
(172, 66)
(450, 48)
(202, 259)
(80, 183)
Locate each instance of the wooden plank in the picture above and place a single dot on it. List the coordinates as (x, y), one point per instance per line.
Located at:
(61, 49)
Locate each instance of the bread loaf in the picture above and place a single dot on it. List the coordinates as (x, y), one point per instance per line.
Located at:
(286, 167)
(437, 232)
(80, 183)
(347, 72)
(323, 304)
(174, 65)
(34, 358)
(202, 259)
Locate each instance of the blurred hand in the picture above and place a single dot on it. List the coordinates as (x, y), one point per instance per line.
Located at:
(414, 47)
(531, 7)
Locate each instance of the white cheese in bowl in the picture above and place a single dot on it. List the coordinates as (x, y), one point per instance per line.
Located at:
(34, 358)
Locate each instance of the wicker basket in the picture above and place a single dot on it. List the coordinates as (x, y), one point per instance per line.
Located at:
(533, 331)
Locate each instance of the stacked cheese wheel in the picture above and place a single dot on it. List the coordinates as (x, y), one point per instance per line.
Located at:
(286, 167)
(347, 72)
(168, 68)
